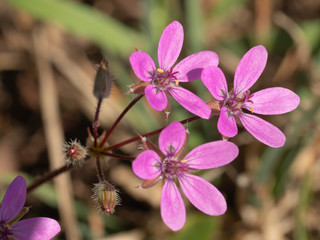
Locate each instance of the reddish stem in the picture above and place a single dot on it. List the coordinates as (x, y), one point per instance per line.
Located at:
(96, 122)
(50, 175)
(148, 134)
(99, 168)
(118, 156)
(47, 177)
(134, 101)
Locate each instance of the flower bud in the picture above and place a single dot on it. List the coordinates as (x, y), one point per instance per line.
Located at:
(106, 196)
(74, 152)
(102, 81)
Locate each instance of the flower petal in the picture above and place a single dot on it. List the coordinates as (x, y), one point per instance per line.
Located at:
(250, 68)
(212, 155)
(173, 211)
(214, 79)
(227, 125)
(36, 229)
(170, 45)
(190, 68)
(144, 166)
(13, 199)
(262, 130)
(142, 65)
(191, 102)
(203, 195)
(172, 138)
(156, 97)
(275, 100)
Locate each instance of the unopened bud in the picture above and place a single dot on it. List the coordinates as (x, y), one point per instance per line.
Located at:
(74, 152)
(106, 197)
(102, 81)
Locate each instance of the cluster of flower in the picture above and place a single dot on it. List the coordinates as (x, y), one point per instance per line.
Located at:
(169, 162)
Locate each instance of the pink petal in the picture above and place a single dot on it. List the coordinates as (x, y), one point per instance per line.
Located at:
(145, 165)
(212, 155)
(191, 102)
(262, 130)
(214, 79)
(36, 229)
(156, 97)
(170, 45)
(142, 65)
(275, 100)
(13, 199)
(172, 138)
(227, 125)
(250, 68)
(203, 195)
(190, 68)
(173, 211)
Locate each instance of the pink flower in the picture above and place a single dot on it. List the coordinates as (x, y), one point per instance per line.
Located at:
(40, 228)
(159, 83)
(169, 164)
(269, 101)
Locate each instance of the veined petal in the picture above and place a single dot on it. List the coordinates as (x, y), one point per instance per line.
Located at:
(170, 45)
(275, 100)
(190, 68)
(172, 138)
(214, 79)
(36, 229)
(212, 155)
(173, 211)
(156, 97)
(142, 65)
(203, 195)
(13, 199)
(191, 102)
(250, 68)
(262, 130)
(144, 166)
(227, 125)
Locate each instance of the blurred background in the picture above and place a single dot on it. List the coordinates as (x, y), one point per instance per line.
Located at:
(48, 56)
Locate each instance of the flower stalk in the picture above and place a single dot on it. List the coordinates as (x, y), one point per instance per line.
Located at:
(131, 104)
(49, 176)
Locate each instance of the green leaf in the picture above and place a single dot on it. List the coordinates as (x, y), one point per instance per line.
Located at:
(312, 32)
(227, 8)
(194, 22)
(198, 226)
(300, 230)
(83, 20)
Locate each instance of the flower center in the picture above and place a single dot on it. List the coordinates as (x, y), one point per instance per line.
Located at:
(172, 168)
(163, 78)
(4, 232)
(235, 102)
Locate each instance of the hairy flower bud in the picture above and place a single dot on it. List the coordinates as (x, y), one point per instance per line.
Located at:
(102, 81)
(74, 152)
(106, 196)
